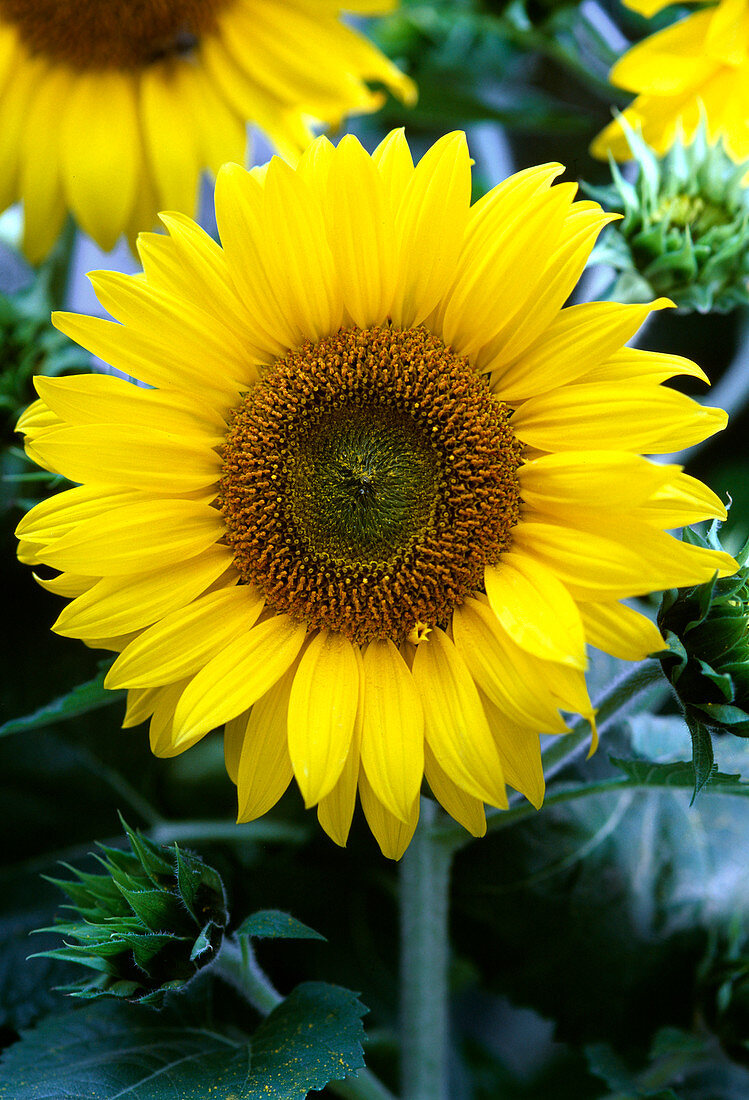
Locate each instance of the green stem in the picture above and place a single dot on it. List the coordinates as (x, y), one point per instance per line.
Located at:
(196, 832)
(424, 891)
(58, 266)
(237, 964)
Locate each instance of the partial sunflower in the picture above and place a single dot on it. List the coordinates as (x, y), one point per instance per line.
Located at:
(383, 489)
(700, 65)
(111, 110)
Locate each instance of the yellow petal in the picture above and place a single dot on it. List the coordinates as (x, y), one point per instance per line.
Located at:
(520, 749)
(66, 584)
(300, 264)
(322, 708)
(466, 810)
(391, 833)
(64, 511)
(160, 729)
(99, 159)
(361, 234)
(264, 771)
(597, 416)
(392, 749)
(238, 675)
(535, 609)
(669, 62)
(591, 480)
(137, 537)
(635, 365)
(576, 341)
(454, 723)
(393, 158)
(40, 185)
(557, 281)
(620, 630)
(605, 567)
(430, 226)
(506, 673)
(137, 458)
(169, 137)
(194, 332)
(183, 641)
(118, 605)
(335, 811)
(233, 741)
(103, 398)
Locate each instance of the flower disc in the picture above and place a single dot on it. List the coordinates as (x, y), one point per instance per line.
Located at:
(368, 480)
(127, 34)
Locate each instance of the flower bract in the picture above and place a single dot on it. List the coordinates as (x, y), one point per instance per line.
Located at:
(110, 110)
(383, 488)
(685, 226)
(700, 64)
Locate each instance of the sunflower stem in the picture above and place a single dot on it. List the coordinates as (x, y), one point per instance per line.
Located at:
(424, 893)
(238, 966)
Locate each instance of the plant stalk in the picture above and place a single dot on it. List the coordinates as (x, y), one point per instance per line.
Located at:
(424, 892)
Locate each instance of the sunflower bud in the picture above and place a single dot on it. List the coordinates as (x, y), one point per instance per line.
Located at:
(707, 662)
(685, 227)
(146, 925)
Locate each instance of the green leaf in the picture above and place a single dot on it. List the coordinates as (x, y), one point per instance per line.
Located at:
(313, 1037)
(108, 1049)
(644, 773)
(84, 698)
(273, 924)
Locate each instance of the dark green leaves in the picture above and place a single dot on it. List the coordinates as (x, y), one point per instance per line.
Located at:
(109, 1050)
(79, 700)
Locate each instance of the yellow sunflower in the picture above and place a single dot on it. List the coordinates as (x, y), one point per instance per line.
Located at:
(111, 108)
(383, 488)
(698, 66)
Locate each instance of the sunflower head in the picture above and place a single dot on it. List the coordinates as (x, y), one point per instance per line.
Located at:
(183, 79)
(707, 628)
(145, 926)
(685, 225)
(383, 488)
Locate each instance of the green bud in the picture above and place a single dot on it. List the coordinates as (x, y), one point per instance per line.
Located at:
(145, 926)
(685, 230)
(707, 662)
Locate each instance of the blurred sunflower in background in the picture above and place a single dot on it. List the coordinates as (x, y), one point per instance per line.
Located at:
(384, 487)
(111, 110)
(700, 65)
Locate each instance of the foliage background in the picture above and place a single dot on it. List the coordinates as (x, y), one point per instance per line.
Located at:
(600, 947)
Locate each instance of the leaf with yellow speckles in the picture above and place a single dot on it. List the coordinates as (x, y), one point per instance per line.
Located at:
(108, 1050)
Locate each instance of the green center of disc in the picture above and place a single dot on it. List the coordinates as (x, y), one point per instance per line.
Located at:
(362, 485)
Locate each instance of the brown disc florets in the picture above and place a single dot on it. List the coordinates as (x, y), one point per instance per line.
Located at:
(367, 481)
(111, 34)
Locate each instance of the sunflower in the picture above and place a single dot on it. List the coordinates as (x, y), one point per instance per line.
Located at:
(699, 66)
(111, 109)
(382, 490)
